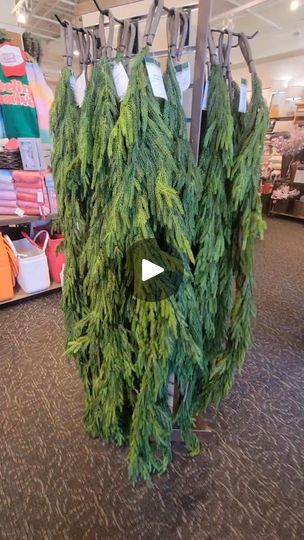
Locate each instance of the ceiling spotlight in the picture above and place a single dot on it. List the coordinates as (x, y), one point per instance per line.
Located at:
(295, 4)
(76, 53)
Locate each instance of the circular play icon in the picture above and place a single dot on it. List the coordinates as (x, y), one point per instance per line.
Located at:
(153, 274)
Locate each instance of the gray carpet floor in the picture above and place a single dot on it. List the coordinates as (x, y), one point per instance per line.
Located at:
(56, 483)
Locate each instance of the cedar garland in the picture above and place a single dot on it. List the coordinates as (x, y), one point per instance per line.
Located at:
(248, 225)
(186, 181)
(146, 205)
(131, 176)
(64, 127)
(212, 271)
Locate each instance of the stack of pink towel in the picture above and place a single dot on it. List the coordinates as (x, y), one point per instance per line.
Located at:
(31, 191)
(8, 202)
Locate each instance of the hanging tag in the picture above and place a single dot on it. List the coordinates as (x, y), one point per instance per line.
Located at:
(156, 78)
(39, 196)
(72, 82)
(19, 212)
(183, 76)
(205, 97)
(80, 89)
(243, 96)
(121, 79)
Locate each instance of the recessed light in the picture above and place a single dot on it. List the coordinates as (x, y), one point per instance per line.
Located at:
(295, 4)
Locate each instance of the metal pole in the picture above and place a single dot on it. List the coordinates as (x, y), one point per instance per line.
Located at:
(203, 17)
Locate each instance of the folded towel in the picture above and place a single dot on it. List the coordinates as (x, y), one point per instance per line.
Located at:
(31, 211)
(30, 197)
(5, 173)
(28, 177)
(31, 185)
(6, 186)
(7, 195)
(7, 210)
(4, 202)
(26, 190)
(6, 179)
(29, 204)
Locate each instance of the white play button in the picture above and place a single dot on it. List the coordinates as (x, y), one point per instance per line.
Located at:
(149, 270)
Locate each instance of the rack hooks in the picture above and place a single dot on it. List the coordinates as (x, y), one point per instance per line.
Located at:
(64, 24)
(106, 12)
(236, 34)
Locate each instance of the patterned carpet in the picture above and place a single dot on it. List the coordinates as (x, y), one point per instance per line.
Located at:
(56, 483)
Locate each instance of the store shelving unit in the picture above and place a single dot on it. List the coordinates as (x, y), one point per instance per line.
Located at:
(20, 295)
(297, 185)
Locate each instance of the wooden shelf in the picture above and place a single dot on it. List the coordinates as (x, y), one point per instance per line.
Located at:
(281, 118)
(18, 220)
(20, 295)
(278, 214)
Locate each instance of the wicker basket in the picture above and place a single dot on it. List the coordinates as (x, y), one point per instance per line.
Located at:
(298, 209)
(10, 159)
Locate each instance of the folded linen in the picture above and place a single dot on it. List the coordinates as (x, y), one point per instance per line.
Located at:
(29, 204)
(7, 195)
(5, 186)
(27, 190)
(32, 185)
(4, 202)
(31, 211)
(28, 177)
(7, 210)
(5, 174)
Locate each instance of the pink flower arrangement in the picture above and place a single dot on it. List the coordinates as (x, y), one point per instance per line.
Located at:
(284, 192)
(292, 145)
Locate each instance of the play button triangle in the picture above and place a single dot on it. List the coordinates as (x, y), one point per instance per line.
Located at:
(150, 270)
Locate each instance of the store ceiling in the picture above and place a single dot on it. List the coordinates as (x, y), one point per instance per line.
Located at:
(40, 15)
(281, 31)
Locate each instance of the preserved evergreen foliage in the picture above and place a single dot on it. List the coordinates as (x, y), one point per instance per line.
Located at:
(124, 174)
(213, 272)
(65, 126)
(247, 226)
(146, 205)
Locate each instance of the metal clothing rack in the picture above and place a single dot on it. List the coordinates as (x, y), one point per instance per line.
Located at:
(200, 50)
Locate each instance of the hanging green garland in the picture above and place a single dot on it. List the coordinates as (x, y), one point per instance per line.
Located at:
(145, 205)
(248, 225)
(100, 335)
(213, 269)
(64, 127)
(186, 181)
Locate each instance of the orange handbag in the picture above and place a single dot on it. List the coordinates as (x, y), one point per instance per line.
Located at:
(8, 270)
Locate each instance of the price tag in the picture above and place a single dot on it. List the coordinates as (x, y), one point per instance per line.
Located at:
(243, 96)
(205, 96)
(121, 79)
(183, 76)
(19, 212)
(39, 196)
(156, 78)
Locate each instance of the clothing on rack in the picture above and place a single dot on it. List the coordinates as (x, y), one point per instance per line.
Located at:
(43, 99)
(16, 100)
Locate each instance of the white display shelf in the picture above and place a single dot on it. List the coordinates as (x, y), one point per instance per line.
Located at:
(20, 295)
(18, 220)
